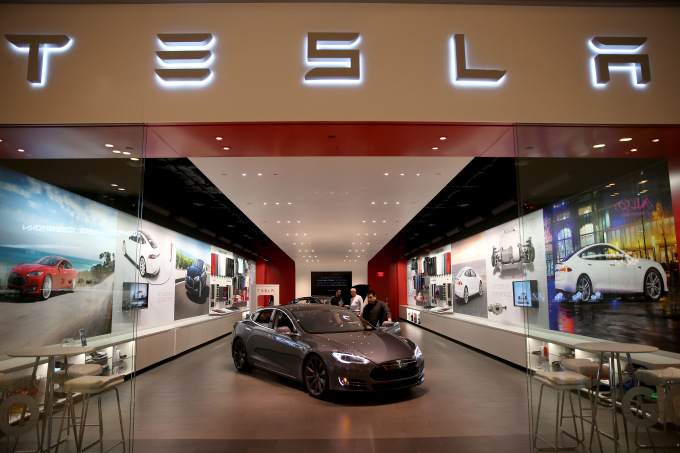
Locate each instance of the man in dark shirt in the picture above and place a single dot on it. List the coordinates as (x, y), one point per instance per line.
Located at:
(337, 299)
(375, 311)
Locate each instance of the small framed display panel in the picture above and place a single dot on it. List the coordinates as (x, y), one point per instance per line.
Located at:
(135, 295)
(525, 293)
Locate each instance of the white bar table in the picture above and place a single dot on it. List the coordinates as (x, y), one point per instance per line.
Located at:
(50, 353)
(614, 351)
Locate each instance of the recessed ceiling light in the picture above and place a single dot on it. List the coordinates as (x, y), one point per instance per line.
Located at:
(298, 221)
(259, 174)
(372, 202)
(290, 202)
(625, 139)
(278, 221)
(265, 203)
(397, 202)
(126, 153)
(417, 174)
(114, 185)
(243, 174)
(443, 138)
(108, 145)
(384, 202)
(277, 203)
(226, 148)
(655, 140)
(601, 145)
(643, 191)
(633, 150)
(387, 174)
(134, 158)
(384, 221)
(401, 174)
(435, 148)
(643, 181)
(21, 150)
(363, 221)
(120, 188)
(115, 151)
(218, 138)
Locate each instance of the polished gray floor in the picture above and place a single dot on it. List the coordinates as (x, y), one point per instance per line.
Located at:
(199, 403)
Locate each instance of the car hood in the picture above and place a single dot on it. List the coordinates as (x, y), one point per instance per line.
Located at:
(376, 346)
(29, 267)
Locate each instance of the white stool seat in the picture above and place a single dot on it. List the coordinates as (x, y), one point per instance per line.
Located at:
(584, 366)
(659, 377)
(78, 370)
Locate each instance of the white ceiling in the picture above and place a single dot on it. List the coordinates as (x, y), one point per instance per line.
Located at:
(325, 212)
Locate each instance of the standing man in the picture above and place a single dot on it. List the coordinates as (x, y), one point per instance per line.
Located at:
(375, 311)
(356, 302)
(337, 299)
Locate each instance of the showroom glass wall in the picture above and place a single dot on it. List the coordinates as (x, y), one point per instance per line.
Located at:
(72, 257)
(597, 211)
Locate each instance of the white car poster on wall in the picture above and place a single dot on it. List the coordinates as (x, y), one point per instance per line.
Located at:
(146, 258)
(469, 277)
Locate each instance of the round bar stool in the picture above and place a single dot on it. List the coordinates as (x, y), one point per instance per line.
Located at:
(664, 378)
(588, 369)
(76, 371)
(563, 382)
(88, 386)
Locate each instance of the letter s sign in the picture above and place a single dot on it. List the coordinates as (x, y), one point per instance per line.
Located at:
(334, 51)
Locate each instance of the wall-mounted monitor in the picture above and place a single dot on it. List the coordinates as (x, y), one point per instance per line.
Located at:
(439, 292)
(525, 293)
(135, 295)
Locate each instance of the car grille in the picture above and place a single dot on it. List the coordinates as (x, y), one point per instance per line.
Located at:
(410, 382)
(395, 369)
(16, 279)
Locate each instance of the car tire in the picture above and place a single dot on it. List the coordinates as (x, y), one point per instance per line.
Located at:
(653, 286)
(315, 375)
(142, 266)
(585, 287)
(239, 354)
(481, 290)
(46, 289)
(466, 295)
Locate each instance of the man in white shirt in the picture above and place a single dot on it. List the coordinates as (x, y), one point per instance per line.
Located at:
(356, 302)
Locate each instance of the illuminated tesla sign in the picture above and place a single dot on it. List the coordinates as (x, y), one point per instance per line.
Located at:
(336, 52)
(620, 55)
(462, 75)
(37, 47)
(185, 58)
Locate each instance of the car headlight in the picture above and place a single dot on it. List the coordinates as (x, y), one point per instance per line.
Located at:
(349, 358)
(417, 352)
(196, 278)
(34, 274)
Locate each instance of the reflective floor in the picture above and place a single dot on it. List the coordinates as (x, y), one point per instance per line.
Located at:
(468, 403)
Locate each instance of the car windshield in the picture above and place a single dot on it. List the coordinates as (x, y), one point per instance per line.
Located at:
(198, 264)
(48, 261)
(331, 321)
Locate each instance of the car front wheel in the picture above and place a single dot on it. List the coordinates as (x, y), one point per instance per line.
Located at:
(142, 266)
(466, 295)
(316, 376)
(239, 354)
(653, 285)
(585, 287)
(46, 287)
(481, 290)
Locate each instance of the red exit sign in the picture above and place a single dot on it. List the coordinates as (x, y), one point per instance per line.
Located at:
(381, 274)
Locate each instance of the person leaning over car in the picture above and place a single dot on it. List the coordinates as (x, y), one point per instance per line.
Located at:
(375, 311)
(337, 299)
(356, 302)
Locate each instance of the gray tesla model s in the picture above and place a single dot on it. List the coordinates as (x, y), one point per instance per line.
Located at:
(326, 348)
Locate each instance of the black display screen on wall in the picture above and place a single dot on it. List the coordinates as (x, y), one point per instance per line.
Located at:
(325, 283)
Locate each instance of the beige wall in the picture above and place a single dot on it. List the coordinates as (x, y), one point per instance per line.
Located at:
(107, 76)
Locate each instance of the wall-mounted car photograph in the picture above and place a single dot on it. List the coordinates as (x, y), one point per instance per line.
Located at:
(599, 269)
(326, 348)
(467, 284)
(140, 248)
(50, 273)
